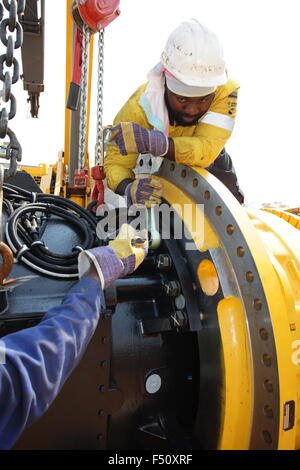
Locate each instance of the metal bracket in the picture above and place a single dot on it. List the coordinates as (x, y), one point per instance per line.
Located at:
(33, 52)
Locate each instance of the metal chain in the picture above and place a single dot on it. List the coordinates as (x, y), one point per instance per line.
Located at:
(83, 96)
(10, 76)
(99, 134)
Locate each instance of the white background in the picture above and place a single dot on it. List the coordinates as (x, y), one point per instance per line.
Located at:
(261, 40)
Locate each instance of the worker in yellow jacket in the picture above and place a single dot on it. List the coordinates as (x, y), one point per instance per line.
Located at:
(185, 112)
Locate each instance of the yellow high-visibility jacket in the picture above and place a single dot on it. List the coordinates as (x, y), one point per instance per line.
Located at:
(197, 145)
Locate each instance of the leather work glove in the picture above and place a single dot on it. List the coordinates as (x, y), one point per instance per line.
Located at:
(120, 258)
(133, 138)
(146, 191)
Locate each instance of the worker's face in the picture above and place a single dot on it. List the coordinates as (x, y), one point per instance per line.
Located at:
(187, 111)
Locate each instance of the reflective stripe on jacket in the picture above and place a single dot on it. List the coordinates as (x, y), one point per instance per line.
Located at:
(197, 145)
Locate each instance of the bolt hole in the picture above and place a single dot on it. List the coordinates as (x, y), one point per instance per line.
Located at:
(219, 210)
(207, 195)
(267, 360)
(240, 251)
(250, 276)
(195, 182)
(257, 303)
(268, 384)
(263, 334)
(268, 412)
(230, 229)
(267, 437)
(172, 167)
(183, 173)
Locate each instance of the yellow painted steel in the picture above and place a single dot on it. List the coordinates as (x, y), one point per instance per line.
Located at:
(275, 246)
(282, 245)
(208, 277)
(237, 393)
(40, 170)
(291, 216)
(185, 207)
(42, 174)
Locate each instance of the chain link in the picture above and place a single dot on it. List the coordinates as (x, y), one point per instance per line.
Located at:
(83, 96)
(99, 133)
(11, 36)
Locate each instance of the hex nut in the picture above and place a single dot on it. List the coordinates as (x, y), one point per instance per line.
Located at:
(172, 288)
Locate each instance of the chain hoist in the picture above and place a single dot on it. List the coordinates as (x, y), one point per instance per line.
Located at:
(99, 133)
(11, 36)
(83, 96)
(97, 171)
(91, 16)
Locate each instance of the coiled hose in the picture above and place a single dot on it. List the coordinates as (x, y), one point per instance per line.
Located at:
(29, 214)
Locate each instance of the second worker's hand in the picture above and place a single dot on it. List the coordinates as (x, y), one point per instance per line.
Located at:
(120, 258)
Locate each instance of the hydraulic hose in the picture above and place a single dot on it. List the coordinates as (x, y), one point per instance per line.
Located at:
(29, 214)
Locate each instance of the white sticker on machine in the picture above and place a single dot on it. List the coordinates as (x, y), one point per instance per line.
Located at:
(288, 415)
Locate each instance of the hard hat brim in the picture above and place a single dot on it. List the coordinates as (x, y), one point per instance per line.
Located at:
(216, 80)
(179, 88)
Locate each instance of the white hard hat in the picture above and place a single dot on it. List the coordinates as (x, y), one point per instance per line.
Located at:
(194, 55)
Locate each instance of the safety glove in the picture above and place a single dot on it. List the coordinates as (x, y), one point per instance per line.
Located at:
(133, 138)
(120, 258)
(147, 191)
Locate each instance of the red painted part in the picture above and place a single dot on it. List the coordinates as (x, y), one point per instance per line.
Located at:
(81, 178)
(77, 58)
(99, 12)
(98, 175)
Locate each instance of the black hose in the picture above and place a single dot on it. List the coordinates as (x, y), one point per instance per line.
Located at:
(28, 216)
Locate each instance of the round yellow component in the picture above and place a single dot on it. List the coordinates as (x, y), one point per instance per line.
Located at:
(208, 277)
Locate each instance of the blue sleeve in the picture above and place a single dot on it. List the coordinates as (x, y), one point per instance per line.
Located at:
(36, 362)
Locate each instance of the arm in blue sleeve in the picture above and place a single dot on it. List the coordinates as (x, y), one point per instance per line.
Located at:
(38, 360)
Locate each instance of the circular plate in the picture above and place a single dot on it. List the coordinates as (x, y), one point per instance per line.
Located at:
(237, 245)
